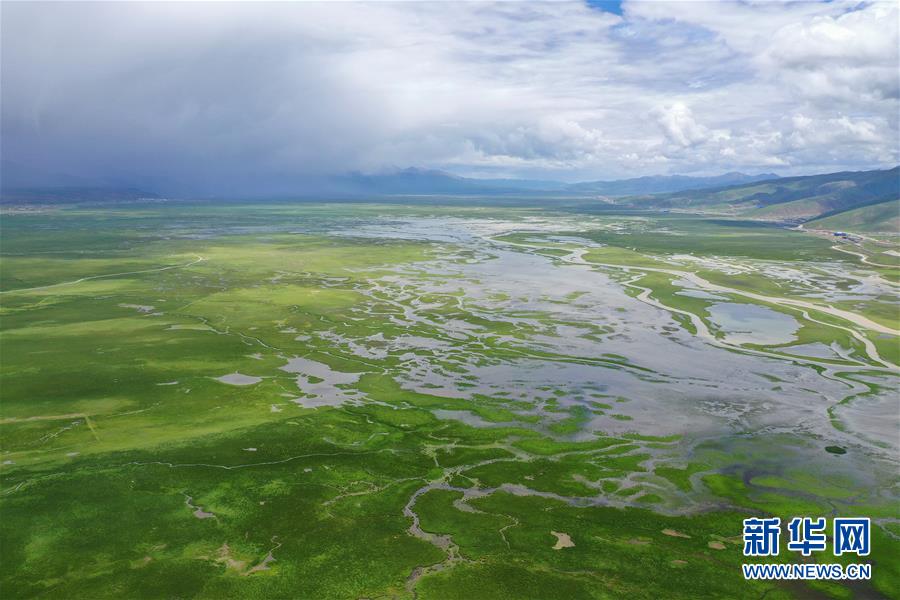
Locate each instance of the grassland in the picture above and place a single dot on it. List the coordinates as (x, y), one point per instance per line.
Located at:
(362, 400)
(877, 218)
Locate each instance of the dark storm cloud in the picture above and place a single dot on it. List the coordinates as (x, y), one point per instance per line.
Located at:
(233, 97)
(160, 93)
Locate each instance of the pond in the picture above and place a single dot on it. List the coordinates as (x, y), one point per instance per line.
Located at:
(753, 324)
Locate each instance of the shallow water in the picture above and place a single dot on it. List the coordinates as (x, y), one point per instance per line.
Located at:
(238, 379)
(572, 336)
(753, 324)
(320, 383)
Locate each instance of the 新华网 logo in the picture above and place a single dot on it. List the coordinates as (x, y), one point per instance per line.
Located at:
(762, 537)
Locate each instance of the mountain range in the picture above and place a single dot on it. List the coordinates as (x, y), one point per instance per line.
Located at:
(762, 196)
(415, 181)
(796, 199)
(17, 178)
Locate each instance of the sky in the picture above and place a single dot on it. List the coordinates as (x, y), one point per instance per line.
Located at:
(211, 96)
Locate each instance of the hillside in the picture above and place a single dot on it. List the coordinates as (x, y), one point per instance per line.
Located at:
(424, 181)
(789, 198)
(661, 184)
(876, 218)
(24, 183)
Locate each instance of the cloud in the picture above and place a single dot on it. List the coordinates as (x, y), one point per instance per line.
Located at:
(678, 123)
(240, 97)
(851, 57)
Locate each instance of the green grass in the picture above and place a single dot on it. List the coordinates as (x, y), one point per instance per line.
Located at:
(111, 414)
(883, 217)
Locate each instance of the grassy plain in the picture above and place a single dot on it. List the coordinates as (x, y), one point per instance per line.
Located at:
(300, 400)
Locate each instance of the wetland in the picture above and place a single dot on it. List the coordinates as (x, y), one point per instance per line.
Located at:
(433, 401)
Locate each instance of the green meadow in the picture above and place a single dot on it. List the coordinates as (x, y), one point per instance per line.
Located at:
(299, 400)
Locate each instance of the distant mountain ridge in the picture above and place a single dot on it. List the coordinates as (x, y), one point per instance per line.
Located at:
(796, 199)
(415, 181)
(21, 181)
(659, 184)
(424, 181)
(763, 196)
